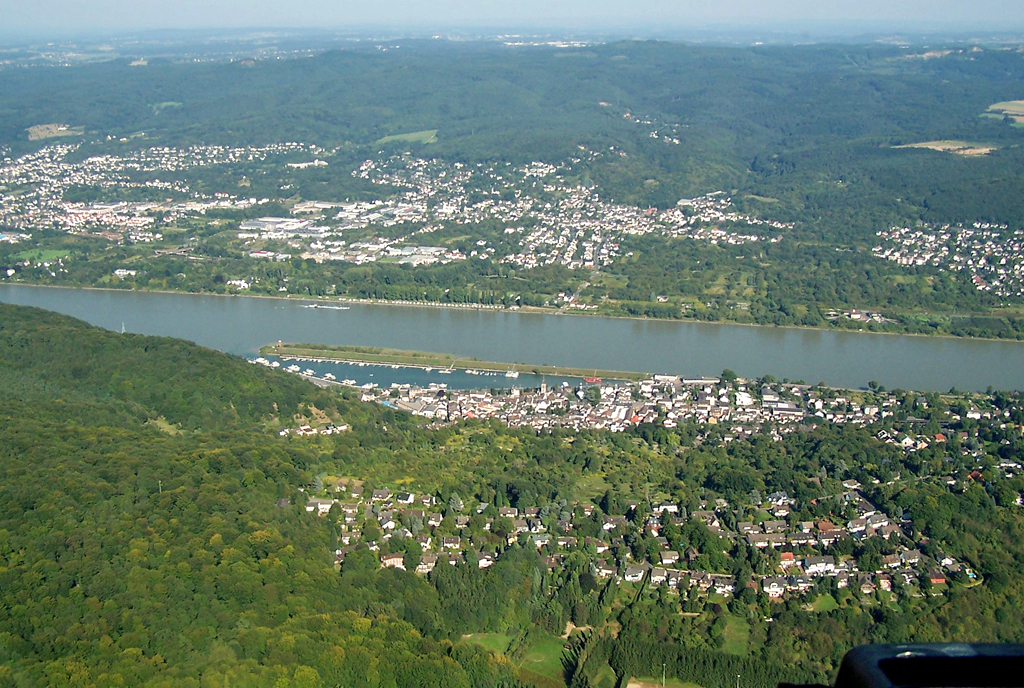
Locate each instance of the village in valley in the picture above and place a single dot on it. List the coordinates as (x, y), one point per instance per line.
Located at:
(795, 550)
(165, 201)
(988, 252)
(642, 545)
(546, 218)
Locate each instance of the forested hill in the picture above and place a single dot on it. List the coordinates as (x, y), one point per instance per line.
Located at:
(135, 552)
(152, 377)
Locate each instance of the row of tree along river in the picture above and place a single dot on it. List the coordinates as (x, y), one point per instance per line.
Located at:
(241, 325)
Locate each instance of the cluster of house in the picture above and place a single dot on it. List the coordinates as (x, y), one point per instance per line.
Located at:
(306, 430)
(802, 549)
(990, 254)
(858, 316)
(669, 133)
(742, 407)
(573, 226)
(44, 176)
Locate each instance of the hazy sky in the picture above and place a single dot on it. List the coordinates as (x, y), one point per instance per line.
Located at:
(43, 16)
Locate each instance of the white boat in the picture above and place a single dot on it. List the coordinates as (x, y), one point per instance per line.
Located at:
(309, 371)
(329, 376)
(446, 371)
(512, 373)
(293, 369)
(275, 364)
(348, 382)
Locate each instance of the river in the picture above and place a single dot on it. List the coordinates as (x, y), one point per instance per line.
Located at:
(241, 325)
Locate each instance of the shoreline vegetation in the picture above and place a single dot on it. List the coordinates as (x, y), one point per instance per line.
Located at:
(536, 310)
(423, 359)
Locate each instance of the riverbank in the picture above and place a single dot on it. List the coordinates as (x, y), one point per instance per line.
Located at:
(241, 325)
(538, 310)
(432, 361)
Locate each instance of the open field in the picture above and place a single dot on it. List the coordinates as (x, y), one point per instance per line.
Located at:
(1008, 107)
(953, 146)
(1013, 109)
(544, 660)
(49, 131)
(737, 634)
(647, 682)
(426, 136)
(41, 255)
(495, 642)
(158, 107)
(825, 603)
(604, 678)
(423, 359)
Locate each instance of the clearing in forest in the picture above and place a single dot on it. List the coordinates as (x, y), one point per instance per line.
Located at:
(1008, 108)
(495, 642)
(542, 662)
(737, 637)
(951, 146)
(427, 136)
(49, 131)
(646, 682)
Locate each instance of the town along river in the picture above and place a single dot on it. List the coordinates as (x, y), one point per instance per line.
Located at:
(241, 325)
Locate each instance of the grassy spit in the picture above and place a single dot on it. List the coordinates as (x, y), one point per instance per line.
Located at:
(422, 359)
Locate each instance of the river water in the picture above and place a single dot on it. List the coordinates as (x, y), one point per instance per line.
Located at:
(241, 325)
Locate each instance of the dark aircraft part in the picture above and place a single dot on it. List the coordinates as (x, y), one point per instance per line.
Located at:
(952, 665)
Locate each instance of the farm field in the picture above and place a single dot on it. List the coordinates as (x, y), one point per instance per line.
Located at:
(952, 146)
(41, 255)
(39, 132)
(426, 136)
(1013, 109)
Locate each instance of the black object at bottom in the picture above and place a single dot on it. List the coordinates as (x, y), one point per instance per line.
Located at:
(954, 665)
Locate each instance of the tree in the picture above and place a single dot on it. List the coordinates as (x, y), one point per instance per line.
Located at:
(455, 503)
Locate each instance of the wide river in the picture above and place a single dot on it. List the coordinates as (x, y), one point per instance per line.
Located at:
(241, 325)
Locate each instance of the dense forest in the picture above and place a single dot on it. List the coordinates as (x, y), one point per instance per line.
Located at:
(153, 531)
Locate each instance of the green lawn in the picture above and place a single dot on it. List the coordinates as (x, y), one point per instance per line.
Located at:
(737, 634)
(605, 677)
(648, 682)
(591, 487)
(542, 662)
(495, 642)
(825, 603)
(41, 255)
(427, 136)
(544, 659)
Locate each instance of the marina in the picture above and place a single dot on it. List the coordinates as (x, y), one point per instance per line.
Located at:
(442, 364)
(371, 376)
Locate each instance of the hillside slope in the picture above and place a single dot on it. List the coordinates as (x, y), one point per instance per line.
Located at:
(130, 555)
